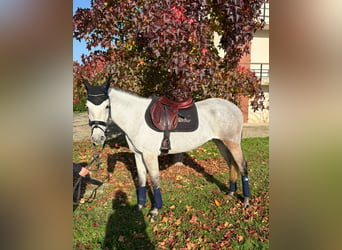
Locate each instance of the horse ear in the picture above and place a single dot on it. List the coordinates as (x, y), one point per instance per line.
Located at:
(107, 83)
(86, 83)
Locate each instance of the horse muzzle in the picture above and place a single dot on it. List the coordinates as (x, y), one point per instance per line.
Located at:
(98, 139)
(98, 134)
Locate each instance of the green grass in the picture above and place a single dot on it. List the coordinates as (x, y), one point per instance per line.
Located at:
(196, 213)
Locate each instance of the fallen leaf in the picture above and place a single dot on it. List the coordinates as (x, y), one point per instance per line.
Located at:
(187, 208)
(239, 238)
(228, 234)
(191, 245)
(193, 219)
(217, 203)
(179, 177)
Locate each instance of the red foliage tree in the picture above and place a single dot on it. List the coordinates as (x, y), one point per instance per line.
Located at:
(166, 47)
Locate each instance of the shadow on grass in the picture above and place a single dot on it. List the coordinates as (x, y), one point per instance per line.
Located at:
(126, 227)
(127, 158)
(210, 178)
(189, 161)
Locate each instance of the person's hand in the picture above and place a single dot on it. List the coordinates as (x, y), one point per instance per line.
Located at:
(83, 172)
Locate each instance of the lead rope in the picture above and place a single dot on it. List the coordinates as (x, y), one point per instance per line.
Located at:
(96, 157)
(91, 180)
(78, 184)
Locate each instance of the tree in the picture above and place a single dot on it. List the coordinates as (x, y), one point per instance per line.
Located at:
(166, 47)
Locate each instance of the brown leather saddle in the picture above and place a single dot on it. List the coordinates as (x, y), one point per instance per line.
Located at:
(165, 114)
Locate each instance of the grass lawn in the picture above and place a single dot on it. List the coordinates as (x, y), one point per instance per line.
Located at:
(196, 213)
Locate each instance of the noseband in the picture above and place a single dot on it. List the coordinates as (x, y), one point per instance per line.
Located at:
(95, 124)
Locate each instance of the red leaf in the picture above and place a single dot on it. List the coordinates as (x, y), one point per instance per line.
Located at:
(193, 219)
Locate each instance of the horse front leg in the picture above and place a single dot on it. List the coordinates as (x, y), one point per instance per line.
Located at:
(151, 162)
(141, 169)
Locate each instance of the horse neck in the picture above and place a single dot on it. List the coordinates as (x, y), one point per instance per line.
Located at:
(126, 107)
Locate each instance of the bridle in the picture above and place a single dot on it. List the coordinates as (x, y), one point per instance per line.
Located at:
(96, 124)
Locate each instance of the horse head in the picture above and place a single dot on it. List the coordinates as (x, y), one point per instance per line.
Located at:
(98, 110)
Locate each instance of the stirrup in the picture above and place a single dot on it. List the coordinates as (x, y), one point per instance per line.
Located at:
(165, 146)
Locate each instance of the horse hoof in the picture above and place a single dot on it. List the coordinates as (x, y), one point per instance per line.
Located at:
(138, 208)
(246, 202)
(154, 212)
(230, 196)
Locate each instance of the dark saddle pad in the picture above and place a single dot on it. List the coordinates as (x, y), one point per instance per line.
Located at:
(180, 117)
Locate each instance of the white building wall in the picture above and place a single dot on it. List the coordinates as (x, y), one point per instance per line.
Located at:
(261, 116)
(260, 49)
(217, 39)
(260, 55)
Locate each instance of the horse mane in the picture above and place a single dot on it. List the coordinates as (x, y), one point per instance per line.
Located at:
(129, 93)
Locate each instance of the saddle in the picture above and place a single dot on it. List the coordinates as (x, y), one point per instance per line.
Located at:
(164, 115)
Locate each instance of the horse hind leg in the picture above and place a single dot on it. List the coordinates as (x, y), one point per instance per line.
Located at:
(234, 154)
(233, 169)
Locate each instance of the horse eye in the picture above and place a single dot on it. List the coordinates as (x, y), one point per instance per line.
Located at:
(107, 107)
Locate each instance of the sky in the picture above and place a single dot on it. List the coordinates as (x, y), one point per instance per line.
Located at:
(79, 48)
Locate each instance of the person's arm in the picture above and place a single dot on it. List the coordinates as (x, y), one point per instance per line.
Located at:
(83, 172)
(79, 170)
